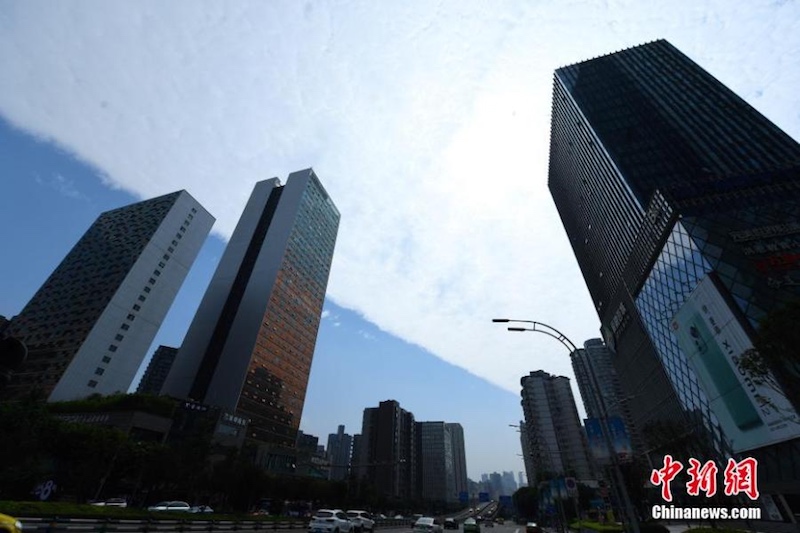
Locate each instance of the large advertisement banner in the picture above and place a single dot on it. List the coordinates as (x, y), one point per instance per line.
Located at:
(712, 339)
(620, 439)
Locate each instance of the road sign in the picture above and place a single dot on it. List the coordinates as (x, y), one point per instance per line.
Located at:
(572, 486)
(463, 497)
(483, 497)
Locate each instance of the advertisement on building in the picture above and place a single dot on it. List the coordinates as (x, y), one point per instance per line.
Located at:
(712, 339)
(619, 439)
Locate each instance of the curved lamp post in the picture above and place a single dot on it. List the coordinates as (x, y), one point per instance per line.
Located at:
(540, 327)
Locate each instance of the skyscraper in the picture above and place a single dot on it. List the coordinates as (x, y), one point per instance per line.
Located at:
(388, 450)
(556, 441)
(157, 370)
(89, 326)
(436, 468)
(459, 457)
(340, 446)
(682, 205)
(594, 364)
(250, 345)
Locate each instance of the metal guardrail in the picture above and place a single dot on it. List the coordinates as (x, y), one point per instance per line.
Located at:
(113, 525)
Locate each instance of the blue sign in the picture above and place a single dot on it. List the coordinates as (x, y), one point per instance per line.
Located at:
(483, 497)
(463, 497)
(507, 501)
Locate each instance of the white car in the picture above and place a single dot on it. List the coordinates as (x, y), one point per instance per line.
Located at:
(330, 521)
(362, 521)
(171, 506)
(426, 524)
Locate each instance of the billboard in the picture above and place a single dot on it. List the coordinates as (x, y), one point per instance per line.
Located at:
(597, 443)
(619, 439)
(713, 340)
(463, 496)
(483, 497)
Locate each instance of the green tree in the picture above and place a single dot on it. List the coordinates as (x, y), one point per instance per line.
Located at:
(526, 501)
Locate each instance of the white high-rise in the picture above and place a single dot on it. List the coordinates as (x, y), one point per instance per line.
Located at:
(89, 326)
(556, 440)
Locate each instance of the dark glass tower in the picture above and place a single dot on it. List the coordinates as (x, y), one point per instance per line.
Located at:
(250, 345)
(680, 201)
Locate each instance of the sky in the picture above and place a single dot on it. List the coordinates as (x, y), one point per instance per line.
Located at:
(426, 121)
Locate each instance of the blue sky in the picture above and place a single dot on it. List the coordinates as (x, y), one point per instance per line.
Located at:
(428, 124)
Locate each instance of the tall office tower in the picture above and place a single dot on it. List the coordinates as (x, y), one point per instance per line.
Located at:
(250, 345)
(157, 370)
(594, 364)
(435, 465)
(340, 445)
(556, 440)
(388, 452)
(682, 205)
(88, 328)
(459, 457)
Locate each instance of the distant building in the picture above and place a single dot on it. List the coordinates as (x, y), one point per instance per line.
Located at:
(521, 480)
(556, 440)
(157, 370)
(388, 451)
(509, 484)
(340, 446)
(89, 326)
(250, 345)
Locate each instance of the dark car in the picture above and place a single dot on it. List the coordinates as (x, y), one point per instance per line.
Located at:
(532, 527)
(450, 523)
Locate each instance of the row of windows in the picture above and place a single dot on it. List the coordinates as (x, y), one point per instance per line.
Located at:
(147, 289)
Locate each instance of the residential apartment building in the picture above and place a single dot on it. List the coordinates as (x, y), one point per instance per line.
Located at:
(556, 439)
(157, 370)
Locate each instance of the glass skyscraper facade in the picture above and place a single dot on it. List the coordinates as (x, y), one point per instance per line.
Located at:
(681, 204)
(250, 345)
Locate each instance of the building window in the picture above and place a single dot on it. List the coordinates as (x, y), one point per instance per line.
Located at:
(125, 327)
(151, 281)
(146, 289)
(131, 317)
(112, 348)
(162, 264)
(142, 298)
(136, 307)
(170, 249)
(119, 337)
(92, 383)
(99, 371)
(156, 273)
(106, 359)
(166, 257)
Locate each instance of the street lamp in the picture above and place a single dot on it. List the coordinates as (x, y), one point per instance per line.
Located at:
(540, 327)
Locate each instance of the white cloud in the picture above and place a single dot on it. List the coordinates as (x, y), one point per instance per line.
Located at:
(64, 186)
(427, 123)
